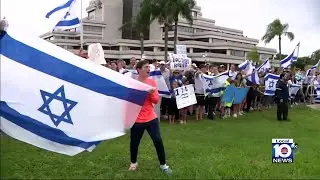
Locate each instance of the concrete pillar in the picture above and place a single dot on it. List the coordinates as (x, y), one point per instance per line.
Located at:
(228, 66)
(210, 40)
(190, 50)
(228, 52)
(120, 48)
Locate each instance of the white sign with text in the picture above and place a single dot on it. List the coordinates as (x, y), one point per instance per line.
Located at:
(179, 62)
(185, 96)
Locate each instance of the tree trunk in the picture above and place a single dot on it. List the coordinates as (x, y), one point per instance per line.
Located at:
(142, 43)
(175, 35)
(280, 48)
(166, 27)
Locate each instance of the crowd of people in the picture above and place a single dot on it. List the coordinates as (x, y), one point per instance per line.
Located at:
(211, 105)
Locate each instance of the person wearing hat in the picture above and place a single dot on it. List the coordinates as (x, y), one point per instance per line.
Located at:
(282, 97)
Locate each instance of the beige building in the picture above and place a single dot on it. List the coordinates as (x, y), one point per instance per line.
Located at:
(105, 17)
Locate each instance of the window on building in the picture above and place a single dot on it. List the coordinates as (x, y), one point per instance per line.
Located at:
(92, 28)
(237, 53)
(92, 37)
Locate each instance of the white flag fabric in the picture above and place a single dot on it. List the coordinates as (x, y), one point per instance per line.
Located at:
(270, 84)
(254, 78)
(96, 53)
(213, 85)
(287, 61)
(57, 101)
(247, 67)
(157, 77)
(264, 66)
(293, 90)
(65, 15)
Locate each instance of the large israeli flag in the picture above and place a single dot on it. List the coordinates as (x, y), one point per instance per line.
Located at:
(65, 15)
(293, 90)
(287, 61)
(156, 75)
(271, 84)
(213, 85)
(57, 101)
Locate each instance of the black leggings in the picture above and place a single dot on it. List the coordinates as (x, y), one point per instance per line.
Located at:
(153, 129)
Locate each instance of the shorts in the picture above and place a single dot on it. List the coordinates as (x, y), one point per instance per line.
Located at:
(267, 100)
(172, 107)
(200, 99)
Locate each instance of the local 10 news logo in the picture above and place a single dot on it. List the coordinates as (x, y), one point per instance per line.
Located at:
(283, 150)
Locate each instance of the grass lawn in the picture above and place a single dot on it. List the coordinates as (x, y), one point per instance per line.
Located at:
(221, 149)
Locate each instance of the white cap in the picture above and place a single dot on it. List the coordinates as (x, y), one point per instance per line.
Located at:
(162, 62)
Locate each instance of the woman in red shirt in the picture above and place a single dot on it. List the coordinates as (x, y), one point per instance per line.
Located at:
(147, 120)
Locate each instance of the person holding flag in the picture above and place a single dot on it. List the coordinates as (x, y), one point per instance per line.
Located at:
(147, 120)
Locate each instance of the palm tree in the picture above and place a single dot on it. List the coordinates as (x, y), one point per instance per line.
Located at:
(276, 28)
(163, 11)
(183, 8)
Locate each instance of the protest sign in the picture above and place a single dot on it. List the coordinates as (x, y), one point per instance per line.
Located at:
(179, 62)
(185, 96)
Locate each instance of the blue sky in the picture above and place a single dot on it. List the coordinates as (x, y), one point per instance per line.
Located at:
(251, 16)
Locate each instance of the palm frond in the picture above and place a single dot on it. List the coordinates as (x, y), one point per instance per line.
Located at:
(290, 35)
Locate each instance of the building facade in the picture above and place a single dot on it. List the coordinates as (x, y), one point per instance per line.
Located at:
(106, 17)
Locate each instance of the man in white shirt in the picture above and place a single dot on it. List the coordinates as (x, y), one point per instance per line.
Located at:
(166, 75)
(121, 65)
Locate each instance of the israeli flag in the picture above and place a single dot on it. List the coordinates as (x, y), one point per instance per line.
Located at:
(67, 14)
(247, 67)
(156, 75)
(308, 76)
(293, 90)
(264, 66)
(254, 78)
(57, 101)
(271, 84)
(287, 61)
(213, 85)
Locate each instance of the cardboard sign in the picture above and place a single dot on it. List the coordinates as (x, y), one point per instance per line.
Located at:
(179, 62)
(185, 96)
(96, 53)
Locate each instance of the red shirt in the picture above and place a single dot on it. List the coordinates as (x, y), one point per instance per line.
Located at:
(147, 113)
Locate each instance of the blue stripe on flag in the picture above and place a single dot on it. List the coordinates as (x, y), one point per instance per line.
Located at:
(269, 92)
(155, 73)
(216, 90)
(33, 58)
(72, 22)
(164, 92)
(66, 5)
(41, 129)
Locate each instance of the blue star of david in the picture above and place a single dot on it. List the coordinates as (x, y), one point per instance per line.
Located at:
(67, 104)
(271, 84)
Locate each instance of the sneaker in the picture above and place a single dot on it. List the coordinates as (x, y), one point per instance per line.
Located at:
(166, 170)
(133, 166)
(235, 115)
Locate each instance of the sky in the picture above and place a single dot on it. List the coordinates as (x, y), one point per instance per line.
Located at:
(250, 16)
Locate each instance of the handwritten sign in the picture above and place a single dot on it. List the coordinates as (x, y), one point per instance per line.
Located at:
(96, 53)
(179, 62)
(185, 96)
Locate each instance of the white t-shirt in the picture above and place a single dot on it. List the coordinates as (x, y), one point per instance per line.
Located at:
(198, 84)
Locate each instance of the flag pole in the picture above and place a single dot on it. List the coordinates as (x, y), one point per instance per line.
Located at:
(81, 29)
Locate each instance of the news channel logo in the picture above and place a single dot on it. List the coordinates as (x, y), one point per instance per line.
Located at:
(283, 150)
